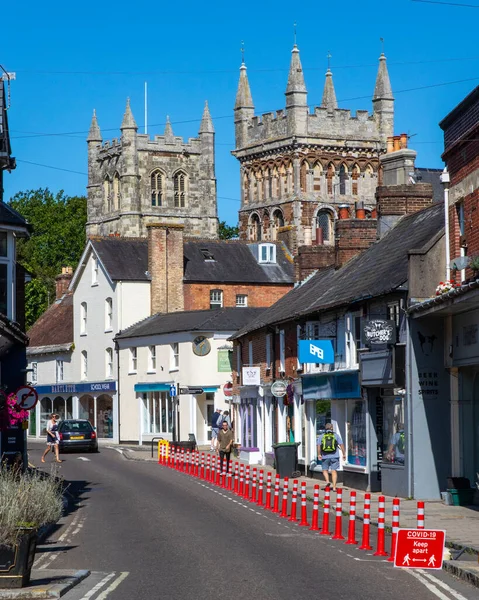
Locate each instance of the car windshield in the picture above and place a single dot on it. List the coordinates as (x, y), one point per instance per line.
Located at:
(76, 426)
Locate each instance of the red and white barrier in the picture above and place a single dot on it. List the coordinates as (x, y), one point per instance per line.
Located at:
(365, 542)
(326, 507)
(202, 467)
(315, 517)
(276, 495)
(284, 500)
(254, 484)
(247, 482)
(395, 528)
(241, 480)
(218, 471)
(259, 502)
(421, 517)
(236, 486)
(267, 504)
(380, 547)
(294, 501)
(207, 472)
(304, 510)
(230, 478)
(352, 519)
(182, 460)
(338, 526)
(224, 483)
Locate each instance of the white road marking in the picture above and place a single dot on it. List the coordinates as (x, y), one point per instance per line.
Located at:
(83, 458)
(98, 586)
(441, 584)
(432, 588)
(113, 585)
(72, 529)
(119, 450)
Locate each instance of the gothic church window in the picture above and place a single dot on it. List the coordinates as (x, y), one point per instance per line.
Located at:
(324, 225)
(317, 172)
(245, 189)
(255, 228)
(180, 189)
(329, 176)
(116, 191)
(343, 177)
(107, 193)
(303, 176)
(157, 182)
(355, 177)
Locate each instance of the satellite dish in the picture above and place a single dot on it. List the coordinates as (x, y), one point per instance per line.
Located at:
(459, 263)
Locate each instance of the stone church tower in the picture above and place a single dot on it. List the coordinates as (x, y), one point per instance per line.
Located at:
(301, 169)
(133, 181)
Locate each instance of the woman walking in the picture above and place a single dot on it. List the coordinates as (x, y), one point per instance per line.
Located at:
(53, 438)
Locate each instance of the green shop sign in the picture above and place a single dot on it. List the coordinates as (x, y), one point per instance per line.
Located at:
(224, 361)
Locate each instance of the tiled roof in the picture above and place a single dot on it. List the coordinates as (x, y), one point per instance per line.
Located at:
(223, 319)
(432, 176)
(9, 216)
(377, 271)
(55, 326)
(234, 261)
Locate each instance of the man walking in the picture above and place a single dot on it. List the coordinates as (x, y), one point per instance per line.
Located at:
(329, 444)
(225, 444)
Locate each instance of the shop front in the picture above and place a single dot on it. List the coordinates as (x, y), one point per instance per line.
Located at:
(251, 424)
(336, 397)
(95, 402)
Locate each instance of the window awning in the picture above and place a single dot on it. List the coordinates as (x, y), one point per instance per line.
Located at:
(331, 386)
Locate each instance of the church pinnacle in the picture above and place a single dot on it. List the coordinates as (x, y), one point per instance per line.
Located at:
(383, 90)
(168, 133)
(206, 122)
(94, 135)
(128, 118)
(295, 76)
(329, 95)
(243, 95)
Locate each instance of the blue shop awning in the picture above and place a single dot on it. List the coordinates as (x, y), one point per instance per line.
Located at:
(153, 387)
(331, 386)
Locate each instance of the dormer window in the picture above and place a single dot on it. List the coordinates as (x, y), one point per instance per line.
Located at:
(267, 253)
(207, 255)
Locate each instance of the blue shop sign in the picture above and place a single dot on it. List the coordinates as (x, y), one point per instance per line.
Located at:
(331, 386)
(77, 388)
(316, 351)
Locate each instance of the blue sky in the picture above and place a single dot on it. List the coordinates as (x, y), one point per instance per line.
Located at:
(70, 58)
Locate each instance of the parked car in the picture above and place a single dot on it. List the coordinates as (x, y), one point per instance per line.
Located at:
(77, 434)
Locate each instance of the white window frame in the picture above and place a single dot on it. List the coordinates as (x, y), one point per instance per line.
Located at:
(83, 318)
(84, 365)
(10, 283)
(241, 300)
(109, 363)
(59, 370)
(216, 298)
(175, 356)
(352, 342)
(152, 359)
(299, 365)
(250, 353)
(238, 359)
(268, 350)
(109, 314)
(94, 270)
(282, 352)
(133, 359)
(34, 371)
(267, 253)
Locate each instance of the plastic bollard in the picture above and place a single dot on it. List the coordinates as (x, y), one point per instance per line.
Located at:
(381, 551)
(326, 507)
(284, 501)
(267, 504)
(365, 543)
(304, 510)
(338, 527)
(352, 519)
(260, 488)
(396, 509)
(315, 517)
(275, 508)
(294, 501)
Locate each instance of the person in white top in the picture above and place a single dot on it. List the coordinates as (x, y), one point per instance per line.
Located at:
(53, 438)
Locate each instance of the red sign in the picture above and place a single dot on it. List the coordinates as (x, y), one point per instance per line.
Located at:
(419, 548)
(228, 389)
(27, 397)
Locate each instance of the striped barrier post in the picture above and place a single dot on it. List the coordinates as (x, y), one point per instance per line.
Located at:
(254, 485)
(396, 509)
(213, 469)
(160, 453)
(267, 504)
(352, 519)
(259, 502)
(236, 487)
(381, 551)
(338, 527)
(197, 464)
(188, 462)
(182, 461)
(294, 501)
(421, 517)
(284, 500)
(326, 507)
(276, 495)
(202, 468)
(247, 477)
(315, 517)
(218, 471)
(230, 477)
(241, 480)
(207, 470)
(175, 459)
(365, 543)
(224, 475)
(304, 510)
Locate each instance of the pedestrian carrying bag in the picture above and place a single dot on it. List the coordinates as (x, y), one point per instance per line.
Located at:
(329, 443)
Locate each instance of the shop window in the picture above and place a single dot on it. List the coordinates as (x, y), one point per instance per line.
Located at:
(356, 438)
(157, 413)
(104, 416)
(46, 409)
(323, 415)
(248, 424)
(393, 436)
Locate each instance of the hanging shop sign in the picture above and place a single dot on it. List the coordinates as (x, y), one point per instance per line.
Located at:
(316, 351)
(251, 375)
(279, 388)
(378, 331)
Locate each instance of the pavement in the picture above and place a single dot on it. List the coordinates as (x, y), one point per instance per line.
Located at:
(46, 583)
(460, 523)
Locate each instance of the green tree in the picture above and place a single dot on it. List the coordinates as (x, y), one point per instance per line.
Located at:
(57, 239)
(227, 232)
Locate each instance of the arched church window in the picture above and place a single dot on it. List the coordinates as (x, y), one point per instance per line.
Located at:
(107, 193)
(180, 183)
(157, 181)
(245, 188)
(303, 175)
(355, 176)
(317, 172)
(255, 228)
(324, 224)
(343, 176)
(116, 191)
(329, 176)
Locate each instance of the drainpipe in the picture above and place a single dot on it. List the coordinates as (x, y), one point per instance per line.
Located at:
(408, 400)
(117, 352)
(445, 179)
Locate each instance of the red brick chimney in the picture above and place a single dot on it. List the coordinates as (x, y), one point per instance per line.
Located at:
(165, 265)
(62, 281)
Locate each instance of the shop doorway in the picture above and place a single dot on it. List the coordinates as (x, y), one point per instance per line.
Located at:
(87, 409)
(470, 430)
(210, 410)
(104, 416)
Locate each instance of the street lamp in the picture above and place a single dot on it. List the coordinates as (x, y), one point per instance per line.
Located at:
(445, 179)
